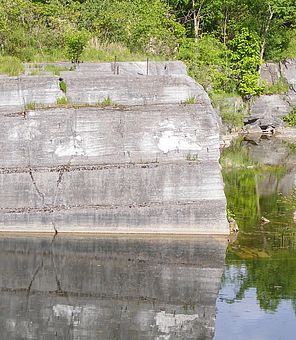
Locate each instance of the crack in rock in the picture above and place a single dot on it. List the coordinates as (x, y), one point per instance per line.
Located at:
(39, 267)
(36, 187)
(34, 276)
(58, 282)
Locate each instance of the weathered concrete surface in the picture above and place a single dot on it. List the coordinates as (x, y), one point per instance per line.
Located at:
(132, 90)
(134, 68)
(150, 168)
(166, 82)
(109, 68)
(108, 288)
(51, 137)
(17, 92)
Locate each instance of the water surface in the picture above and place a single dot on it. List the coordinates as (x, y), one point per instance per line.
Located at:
(258, 295)
(109, 287)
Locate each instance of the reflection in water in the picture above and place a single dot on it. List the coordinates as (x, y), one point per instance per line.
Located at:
(109, 288)
(258, 295)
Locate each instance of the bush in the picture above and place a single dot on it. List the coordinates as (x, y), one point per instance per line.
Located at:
(207, 62)
(245, 58)
(75, 42)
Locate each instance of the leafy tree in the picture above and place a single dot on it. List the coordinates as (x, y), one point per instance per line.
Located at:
(75, 42)
(246, 61)
(208, 61)
(145, 26)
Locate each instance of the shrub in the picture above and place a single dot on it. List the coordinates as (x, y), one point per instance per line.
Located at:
(245, 58)
(75, 42)
(231, 108)
(207, 62)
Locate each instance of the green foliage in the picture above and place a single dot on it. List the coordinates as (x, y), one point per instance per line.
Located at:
(75, 42)
(290, 51)
(63, 86)
(246, 60)
(290, 118)
(96, 50)
(207, 61)
(141, 25)
(11, 66)
(271, 20)
(35, 72)
(230, 214)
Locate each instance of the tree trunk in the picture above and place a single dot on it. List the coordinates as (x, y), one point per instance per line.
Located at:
(196, 18)
(225, 27)
(264, 35)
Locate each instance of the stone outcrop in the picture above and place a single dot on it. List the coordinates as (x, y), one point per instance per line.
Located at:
(268, 110)
(109, 288)
(147, 163)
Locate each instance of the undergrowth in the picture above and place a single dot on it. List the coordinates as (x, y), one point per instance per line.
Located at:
(11, 66)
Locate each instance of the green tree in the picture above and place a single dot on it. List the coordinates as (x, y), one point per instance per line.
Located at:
(246, 61)
(75, 42)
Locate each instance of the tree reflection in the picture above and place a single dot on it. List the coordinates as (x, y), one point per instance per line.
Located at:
(266, 251)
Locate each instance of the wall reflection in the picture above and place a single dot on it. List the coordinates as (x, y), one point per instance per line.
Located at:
(109, 288)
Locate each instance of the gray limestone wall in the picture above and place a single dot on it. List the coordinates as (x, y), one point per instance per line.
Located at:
(268, 110)
(150, 167)
(109, 288)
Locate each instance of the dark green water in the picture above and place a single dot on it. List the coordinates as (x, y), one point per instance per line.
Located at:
(258, 295)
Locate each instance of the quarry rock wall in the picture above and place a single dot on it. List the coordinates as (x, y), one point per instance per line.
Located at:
(147, 162)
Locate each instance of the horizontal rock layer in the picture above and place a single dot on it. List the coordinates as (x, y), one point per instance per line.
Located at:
(149, 168)
(57, 136)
